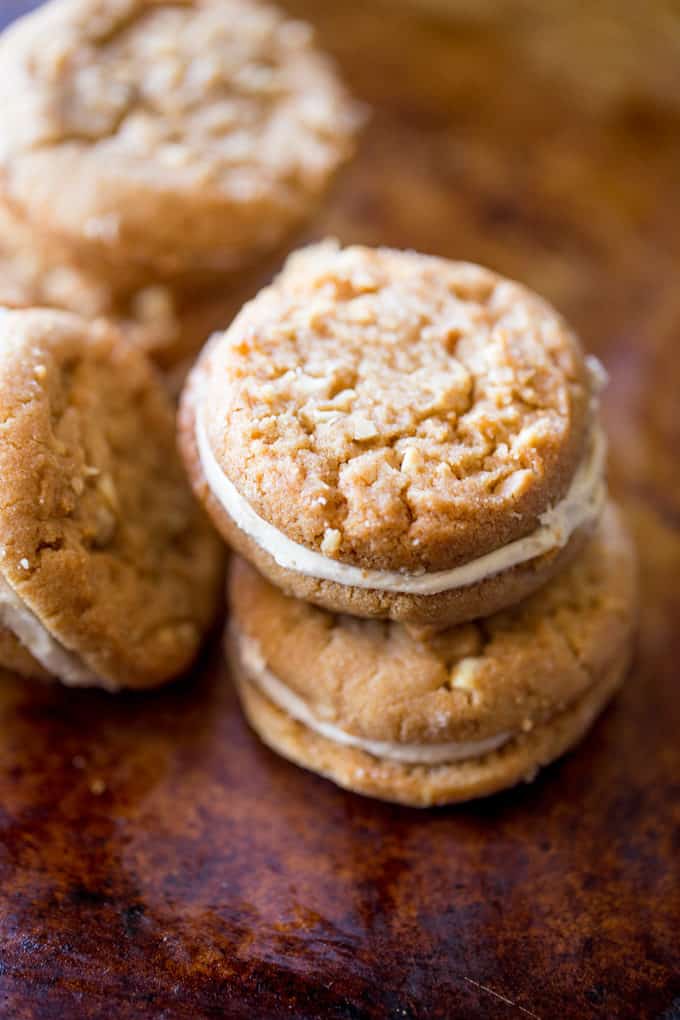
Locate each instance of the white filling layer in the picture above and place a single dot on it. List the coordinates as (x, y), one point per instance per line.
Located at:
(36, 639)
(582, 505)
(414, 754)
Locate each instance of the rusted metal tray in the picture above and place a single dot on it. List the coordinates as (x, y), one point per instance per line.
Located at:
(157, 861)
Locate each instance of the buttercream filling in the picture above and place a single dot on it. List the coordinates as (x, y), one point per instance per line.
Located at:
(36, 639)
(252, 659)
(581, 506)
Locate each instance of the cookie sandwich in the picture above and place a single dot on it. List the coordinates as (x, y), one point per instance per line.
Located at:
(110, 573)
(145, 141)
(393, 435)
(460, 714)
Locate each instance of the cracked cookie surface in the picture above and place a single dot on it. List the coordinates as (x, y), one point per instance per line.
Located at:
(179, 136)
(396, 411)
(100, 537)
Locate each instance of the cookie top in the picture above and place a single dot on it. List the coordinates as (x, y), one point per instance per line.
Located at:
(396, 411)
(182, 135)
(109, 572)
(502, 675)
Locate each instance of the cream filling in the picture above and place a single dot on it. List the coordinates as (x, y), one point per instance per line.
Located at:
(253, 661)
(582, 505)
(36, 639)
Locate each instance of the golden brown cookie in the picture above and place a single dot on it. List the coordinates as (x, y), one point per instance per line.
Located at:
(148, 139)
(472, 710)
(109, 572)
(394, 435)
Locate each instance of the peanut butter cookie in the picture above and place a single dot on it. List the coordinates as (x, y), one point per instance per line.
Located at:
(109, 572)
(150, 139)
(460, 714)
(394, 435)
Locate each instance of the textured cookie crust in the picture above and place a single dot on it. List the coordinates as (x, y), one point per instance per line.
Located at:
(179, 137)
(100, 537)
(428, 786)
(395, 411)
(545, 670)
(510, 672)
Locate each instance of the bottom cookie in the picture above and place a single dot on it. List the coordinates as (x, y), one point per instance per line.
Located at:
(440, 718)
(427, 785)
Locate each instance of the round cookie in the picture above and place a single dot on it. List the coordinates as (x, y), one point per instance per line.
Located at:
(395, 435)
(110, 574)
(166, 139)
(469, 711)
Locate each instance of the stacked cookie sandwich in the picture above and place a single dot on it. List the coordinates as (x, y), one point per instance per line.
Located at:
(434, 598)
(151, 150)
